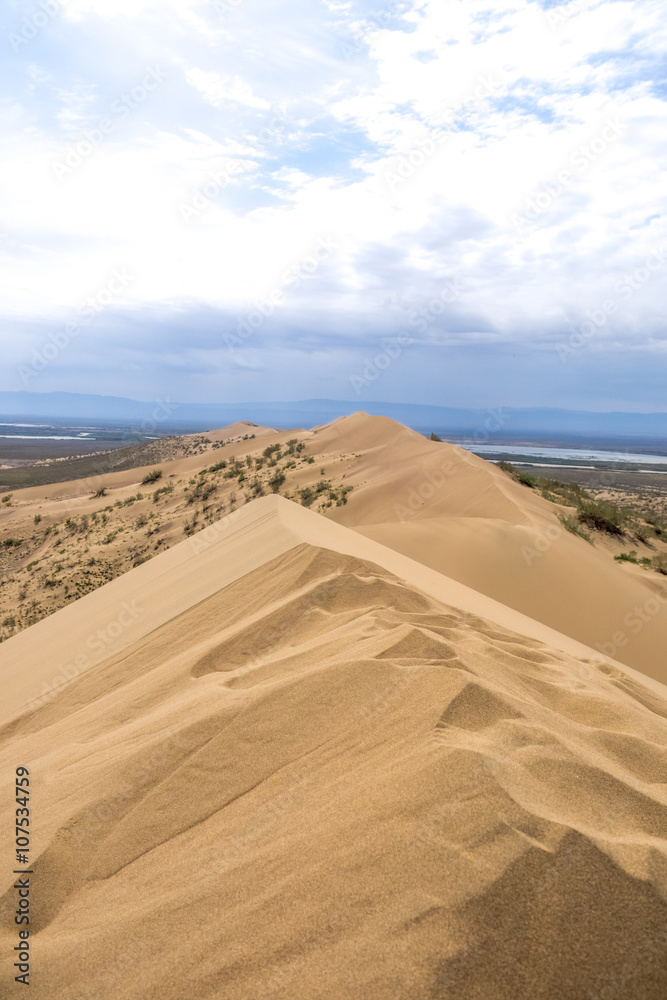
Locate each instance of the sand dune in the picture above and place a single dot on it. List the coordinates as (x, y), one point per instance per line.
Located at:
(464, 517)
(313, 768)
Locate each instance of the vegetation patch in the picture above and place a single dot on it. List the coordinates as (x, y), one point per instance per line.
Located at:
(152, 477)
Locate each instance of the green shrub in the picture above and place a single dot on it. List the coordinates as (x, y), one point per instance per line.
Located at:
(277, 481)
(152, 477)
(630, 557)
(659, 563)
(307, 496)
(526, 480)
(601, 515)
(435, 437)
(573, 525)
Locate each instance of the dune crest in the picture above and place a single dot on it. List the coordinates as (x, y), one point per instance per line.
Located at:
(319, 769)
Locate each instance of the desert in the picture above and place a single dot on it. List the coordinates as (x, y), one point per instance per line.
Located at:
(306, 762)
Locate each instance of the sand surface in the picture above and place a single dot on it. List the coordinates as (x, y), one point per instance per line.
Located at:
(312, 767)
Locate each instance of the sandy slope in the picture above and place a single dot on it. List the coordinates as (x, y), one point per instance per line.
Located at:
(464, 517)
(312, 768)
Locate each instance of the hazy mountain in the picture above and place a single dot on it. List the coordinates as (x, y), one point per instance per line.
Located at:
(502, 423)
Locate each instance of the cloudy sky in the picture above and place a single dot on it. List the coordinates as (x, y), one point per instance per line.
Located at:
(435, 201)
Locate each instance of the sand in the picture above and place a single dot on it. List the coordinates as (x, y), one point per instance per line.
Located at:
(464, 517)
(432, 502)
(313, 767)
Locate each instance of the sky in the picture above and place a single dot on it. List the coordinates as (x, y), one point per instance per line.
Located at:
(444, 202)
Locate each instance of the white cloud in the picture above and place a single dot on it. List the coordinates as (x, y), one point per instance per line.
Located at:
(420, 167)
(218, 90)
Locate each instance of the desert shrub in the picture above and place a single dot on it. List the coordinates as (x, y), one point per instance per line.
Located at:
(573, 525)
(152, 477)
(630, 557)
(601, 515)
(102, 492)
(659, 563)
(307, 496)
(201, 492)
(37, 518)
(277, 481)
(162, 491)
(526, 480)
(218, 466)
(12, 543)
(435, 437)
(507, 467)
(7, 498)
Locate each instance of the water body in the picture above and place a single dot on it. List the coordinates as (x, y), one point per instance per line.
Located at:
(561, 456)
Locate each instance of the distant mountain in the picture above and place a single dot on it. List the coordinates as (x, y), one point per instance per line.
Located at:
(501, 424)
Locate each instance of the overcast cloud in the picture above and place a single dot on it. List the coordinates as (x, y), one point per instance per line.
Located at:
(246, 199)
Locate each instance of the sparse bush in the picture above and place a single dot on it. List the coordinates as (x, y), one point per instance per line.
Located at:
(152, 477)
(307, 496)
(277, 481)
(573, 525)
(601, 515)
(200, 492)
(102, 492)
(630, 557)
(526, 480)
(659, 563)
(435, 437)
(162, 491)
(37, 518)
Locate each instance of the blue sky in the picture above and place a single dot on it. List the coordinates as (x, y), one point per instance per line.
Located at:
(454, 203)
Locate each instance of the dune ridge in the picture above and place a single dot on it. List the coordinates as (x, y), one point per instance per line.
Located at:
(316, 768)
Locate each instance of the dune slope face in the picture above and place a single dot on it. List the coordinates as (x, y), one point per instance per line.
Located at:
(320, 781)
(464, 517)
